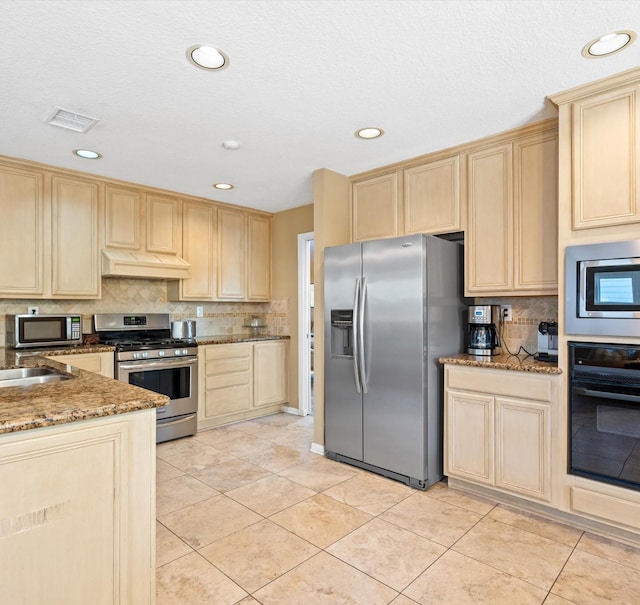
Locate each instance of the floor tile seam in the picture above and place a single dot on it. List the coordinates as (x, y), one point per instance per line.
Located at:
(555, 581)
(192, 475)
(175, 534)
(276, 512)
(582, 550)
(378, 579)
(193, 550)
(247, 593)
(447, 546)
(443, 501)
(375, 515)
(506, 573)
(529, 531)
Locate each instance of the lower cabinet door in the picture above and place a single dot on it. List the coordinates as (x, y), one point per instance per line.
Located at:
(469, 438)
(523, 447)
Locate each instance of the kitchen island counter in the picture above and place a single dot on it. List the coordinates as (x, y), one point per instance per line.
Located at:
(519, 363)
(84, 396)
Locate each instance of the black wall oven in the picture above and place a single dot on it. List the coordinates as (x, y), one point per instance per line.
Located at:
(604, 412)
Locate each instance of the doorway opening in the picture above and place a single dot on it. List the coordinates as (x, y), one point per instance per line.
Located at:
(305, 322)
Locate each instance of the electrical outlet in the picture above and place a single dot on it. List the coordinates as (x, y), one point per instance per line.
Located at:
(199, 311)
(33, 310)
(505, 313)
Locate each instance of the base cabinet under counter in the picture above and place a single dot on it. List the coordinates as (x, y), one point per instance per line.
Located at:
(100, 363)
(243, 380)
(499, 430)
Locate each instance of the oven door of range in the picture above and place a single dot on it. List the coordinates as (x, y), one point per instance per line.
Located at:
(177, 378)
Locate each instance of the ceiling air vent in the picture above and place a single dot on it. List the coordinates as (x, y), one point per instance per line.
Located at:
(70, 120)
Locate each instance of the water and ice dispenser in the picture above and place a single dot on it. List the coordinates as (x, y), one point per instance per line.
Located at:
(342, 333)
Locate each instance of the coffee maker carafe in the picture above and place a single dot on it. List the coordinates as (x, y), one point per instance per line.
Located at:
(483, 330)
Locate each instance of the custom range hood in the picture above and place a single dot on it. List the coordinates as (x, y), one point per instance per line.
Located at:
(143, 265)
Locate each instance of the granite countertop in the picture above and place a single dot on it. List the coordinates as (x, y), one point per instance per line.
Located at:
(519, 363)
(231, 338)
(86, 395)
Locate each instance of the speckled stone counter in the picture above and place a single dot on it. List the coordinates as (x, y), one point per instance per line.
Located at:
(231, 338)
(519, 363)
(85, 395)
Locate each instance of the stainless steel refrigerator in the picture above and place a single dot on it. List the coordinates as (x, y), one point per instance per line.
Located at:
(392, 308)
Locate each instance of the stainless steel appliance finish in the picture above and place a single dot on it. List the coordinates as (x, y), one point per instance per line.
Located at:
(602, 289)
(392, 307)
(147, 356)
(23, 331)
(547, 341)
(185, 329)
(604, 412)
(483, 330)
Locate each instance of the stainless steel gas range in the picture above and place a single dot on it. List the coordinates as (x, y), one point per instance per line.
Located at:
(147, 356)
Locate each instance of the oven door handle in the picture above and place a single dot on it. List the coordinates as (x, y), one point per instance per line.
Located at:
(607, 395)
(175, 361)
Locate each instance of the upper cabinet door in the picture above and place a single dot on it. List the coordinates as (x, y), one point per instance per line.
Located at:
(374, 205)
(22, 245)
(432, 197)
(489, 242)
(75, 241)
(123, 209)
(163, 225)
(606, 158)
(536, 213)
(258, 257)
(232, 255)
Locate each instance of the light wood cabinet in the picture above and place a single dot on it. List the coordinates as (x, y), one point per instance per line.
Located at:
(258, 257)
(139, 221)
(374, 207)
(511, 242)
(78, 511)
(199, 249)
(269, 373)
(100, 363)
(22, 230)
(232, 254)
(606, 158)
(49, 235)
(75, 238)
(498, 429)
(432, 197)
(241, 380)
(244, 256)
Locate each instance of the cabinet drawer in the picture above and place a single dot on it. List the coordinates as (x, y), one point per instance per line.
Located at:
(227, 380)
(227, 400)
(224, 366)
(499, 382)
(226, 351)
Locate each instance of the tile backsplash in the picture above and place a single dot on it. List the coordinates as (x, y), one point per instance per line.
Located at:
(150, 296)
(527, 312)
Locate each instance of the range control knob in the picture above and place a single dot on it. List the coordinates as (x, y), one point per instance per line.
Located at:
(185, 352)
(145, 355)
(136, 355)
(160, 353)
(177, 352)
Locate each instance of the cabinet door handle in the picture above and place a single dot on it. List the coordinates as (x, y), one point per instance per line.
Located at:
(607, 395)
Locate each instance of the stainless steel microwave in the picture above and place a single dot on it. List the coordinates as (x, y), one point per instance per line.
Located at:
(43, 330)
(602, 292)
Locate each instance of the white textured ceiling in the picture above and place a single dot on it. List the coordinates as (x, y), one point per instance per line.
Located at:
(304, 75)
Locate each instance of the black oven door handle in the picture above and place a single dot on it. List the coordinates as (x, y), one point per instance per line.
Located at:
(607, 395)
(165, 363)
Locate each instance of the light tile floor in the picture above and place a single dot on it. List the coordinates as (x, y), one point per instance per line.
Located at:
(247, 514)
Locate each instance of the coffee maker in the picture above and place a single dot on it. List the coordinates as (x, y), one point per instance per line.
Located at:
(483, 330)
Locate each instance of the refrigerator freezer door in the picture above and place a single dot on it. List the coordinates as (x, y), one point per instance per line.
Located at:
(342, 401)
(394, 409)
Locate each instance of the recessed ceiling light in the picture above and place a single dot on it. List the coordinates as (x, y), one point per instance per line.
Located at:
(223, 186)
(87, 154)
(207, 57)
(369, 133)
(608, 44)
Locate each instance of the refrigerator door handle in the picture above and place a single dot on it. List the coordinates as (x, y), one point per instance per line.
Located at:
(363, 371)
(356, 305)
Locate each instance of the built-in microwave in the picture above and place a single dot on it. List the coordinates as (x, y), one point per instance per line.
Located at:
(602, 291)
(24, 331)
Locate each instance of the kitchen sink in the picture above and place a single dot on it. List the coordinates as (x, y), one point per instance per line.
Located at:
(21, 377)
